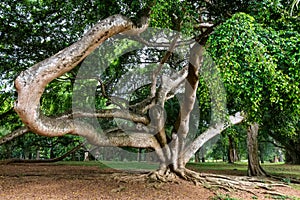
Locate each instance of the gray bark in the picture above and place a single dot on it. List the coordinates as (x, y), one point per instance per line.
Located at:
(254, 167)
(34, 80)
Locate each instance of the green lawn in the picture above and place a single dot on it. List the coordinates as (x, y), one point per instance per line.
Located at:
(219, 166)
(279, 169)
(292, 171)
(114, 164)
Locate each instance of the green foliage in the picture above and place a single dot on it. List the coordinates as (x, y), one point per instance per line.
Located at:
(241, 60)
(176, 15)
(260, 69)
(275, 14)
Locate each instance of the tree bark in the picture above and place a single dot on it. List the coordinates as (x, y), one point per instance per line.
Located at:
(197, 156)
(254, 167)
(186, 107)
(34, 80)
(261, 153)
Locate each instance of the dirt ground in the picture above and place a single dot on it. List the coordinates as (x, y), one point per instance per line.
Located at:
(51, 181)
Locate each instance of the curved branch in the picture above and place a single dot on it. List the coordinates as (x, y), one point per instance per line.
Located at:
(109, 113)
(33, 80)
(16, 133)
(119, 138)
(31, 83)
(207, 135)
(15, 160)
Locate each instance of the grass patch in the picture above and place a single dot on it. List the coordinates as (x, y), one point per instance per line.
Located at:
(218, 166)
(131, 165)
(285, 170)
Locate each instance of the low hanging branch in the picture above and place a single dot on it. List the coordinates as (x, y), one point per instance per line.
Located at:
(16, 133)
(108, 113)
(60, 158)
(34, 80)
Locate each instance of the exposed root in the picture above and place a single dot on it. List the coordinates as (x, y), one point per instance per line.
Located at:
(251, 185)
(162, 176)
(129, 178)
(215, 182)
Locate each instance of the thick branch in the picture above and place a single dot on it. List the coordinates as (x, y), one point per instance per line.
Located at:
(16, 133)
(187, 105)
(34, 80)
(109, 113)
(207, 135)
(136, 139)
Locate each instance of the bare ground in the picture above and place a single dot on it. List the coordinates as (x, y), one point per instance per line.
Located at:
(51, 181)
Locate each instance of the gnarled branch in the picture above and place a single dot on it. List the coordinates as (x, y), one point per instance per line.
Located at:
(34, 80)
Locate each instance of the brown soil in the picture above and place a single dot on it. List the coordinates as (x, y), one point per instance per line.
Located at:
(50, 181)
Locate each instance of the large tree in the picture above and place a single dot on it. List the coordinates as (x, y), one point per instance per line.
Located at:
(149, 126)
(257, 58)
(173, 155)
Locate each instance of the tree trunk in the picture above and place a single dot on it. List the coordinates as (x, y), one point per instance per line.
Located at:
(232, 153)
(202, 154)
(292, 155)
(261, 153)
(254, 168)
(197, 156)
(139, 155)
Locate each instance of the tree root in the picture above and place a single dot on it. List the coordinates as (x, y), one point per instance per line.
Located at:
(215, 182)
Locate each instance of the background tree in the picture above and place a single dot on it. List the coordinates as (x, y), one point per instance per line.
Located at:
(254, 74)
